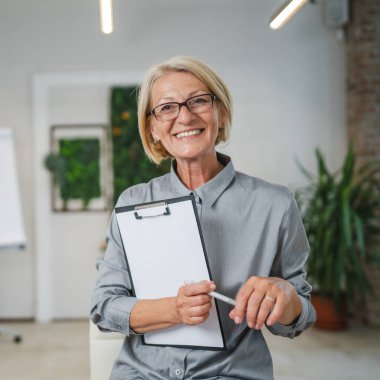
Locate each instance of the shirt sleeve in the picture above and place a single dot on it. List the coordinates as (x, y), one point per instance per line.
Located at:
(289, 264)
(112, 300)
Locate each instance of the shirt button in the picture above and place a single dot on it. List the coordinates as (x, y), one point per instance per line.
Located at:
(179, 372)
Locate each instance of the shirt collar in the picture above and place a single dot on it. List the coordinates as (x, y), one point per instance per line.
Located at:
(210, 191)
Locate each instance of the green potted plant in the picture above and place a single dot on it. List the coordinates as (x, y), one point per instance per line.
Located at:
(341, 214)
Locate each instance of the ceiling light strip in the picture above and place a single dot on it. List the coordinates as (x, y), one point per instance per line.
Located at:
(106, 17)
(286, 11)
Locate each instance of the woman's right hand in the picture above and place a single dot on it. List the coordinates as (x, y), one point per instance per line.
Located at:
(193, 304)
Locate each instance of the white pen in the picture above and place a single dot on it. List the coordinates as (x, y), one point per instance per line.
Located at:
(217, 295)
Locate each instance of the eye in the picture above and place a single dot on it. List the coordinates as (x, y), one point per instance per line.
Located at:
(166, 108)
(199, 100)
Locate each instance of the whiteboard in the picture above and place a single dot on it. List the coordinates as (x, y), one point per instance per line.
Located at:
(12, 231)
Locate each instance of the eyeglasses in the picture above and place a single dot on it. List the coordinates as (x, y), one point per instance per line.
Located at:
(195, 104)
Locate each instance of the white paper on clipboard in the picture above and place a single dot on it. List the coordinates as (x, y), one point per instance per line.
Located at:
(163, 247)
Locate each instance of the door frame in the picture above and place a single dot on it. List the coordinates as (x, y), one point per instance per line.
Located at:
(42, 83)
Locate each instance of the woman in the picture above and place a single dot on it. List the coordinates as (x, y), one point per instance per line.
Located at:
(252, 230)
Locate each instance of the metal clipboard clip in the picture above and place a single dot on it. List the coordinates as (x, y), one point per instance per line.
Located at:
(158, 204)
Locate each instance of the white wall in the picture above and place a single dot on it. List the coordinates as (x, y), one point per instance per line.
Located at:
(288, 89)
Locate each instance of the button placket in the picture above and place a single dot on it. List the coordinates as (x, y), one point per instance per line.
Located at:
(198, 202)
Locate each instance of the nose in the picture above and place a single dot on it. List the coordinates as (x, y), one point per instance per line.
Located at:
(184, 113)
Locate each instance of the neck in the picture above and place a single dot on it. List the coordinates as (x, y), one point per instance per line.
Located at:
(196, 173)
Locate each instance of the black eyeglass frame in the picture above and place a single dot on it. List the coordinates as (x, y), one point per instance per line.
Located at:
(180, 105)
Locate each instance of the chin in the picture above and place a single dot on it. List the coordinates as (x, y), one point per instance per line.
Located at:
(193, 151)
(193, 155)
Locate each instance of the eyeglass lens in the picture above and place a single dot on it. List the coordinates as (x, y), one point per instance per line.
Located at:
(195, 104)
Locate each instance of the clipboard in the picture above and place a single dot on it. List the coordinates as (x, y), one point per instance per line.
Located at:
(163, 246)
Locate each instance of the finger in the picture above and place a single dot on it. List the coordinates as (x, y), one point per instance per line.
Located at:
(253, 307)
(242, 300)
(267, 304)
(183, 302)
(192, 321)
(185, 312)
(199, 300)
(196, 314)
(198, 311)
(277, 311)
(194, 289)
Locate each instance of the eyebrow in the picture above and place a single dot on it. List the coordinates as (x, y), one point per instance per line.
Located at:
(191, 94)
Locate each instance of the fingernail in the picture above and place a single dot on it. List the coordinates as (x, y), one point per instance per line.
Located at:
(250, 325)
(212, 286)
(237, 320)
(257, 327)
(269, 322)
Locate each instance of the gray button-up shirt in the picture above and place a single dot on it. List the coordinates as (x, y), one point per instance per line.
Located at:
(250, 227)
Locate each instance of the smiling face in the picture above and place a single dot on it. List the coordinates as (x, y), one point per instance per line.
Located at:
(190, 136)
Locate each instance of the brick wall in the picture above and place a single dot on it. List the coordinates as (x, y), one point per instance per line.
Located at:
(363, 101)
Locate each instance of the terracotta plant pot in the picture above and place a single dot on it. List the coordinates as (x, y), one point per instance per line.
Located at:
(328, 317)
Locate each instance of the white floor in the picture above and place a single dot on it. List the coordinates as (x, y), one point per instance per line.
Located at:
(54, 351)
(321, 355)
(59, 351)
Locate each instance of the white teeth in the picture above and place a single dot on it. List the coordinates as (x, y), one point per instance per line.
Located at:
(190, 133)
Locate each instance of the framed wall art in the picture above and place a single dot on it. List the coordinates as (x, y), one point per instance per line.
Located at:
(79, 164)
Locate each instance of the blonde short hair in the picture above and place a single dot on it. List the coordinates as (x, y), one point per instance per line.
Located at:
(156, 151)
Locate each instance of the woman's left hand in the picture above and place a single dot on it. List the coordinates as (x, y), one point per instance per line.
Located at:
(266, 300)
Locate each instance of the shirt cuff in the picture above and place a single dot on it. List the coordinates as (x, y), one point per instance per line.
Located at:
(297, 327)
(117, 315)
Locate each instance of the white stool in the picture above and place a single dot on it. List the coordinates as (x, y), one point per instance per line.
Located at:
(104, 349)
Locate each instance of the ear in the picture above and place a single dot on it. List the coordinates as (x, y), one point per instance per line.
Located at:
(221, 114)
(222, 118)
(153, 129)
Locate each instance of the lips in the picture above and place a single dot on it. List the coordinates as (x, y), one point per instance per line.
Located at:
(188, 133)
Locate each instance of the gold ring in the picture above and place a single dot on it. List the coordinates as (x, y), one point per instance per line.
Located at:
(269, 299)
